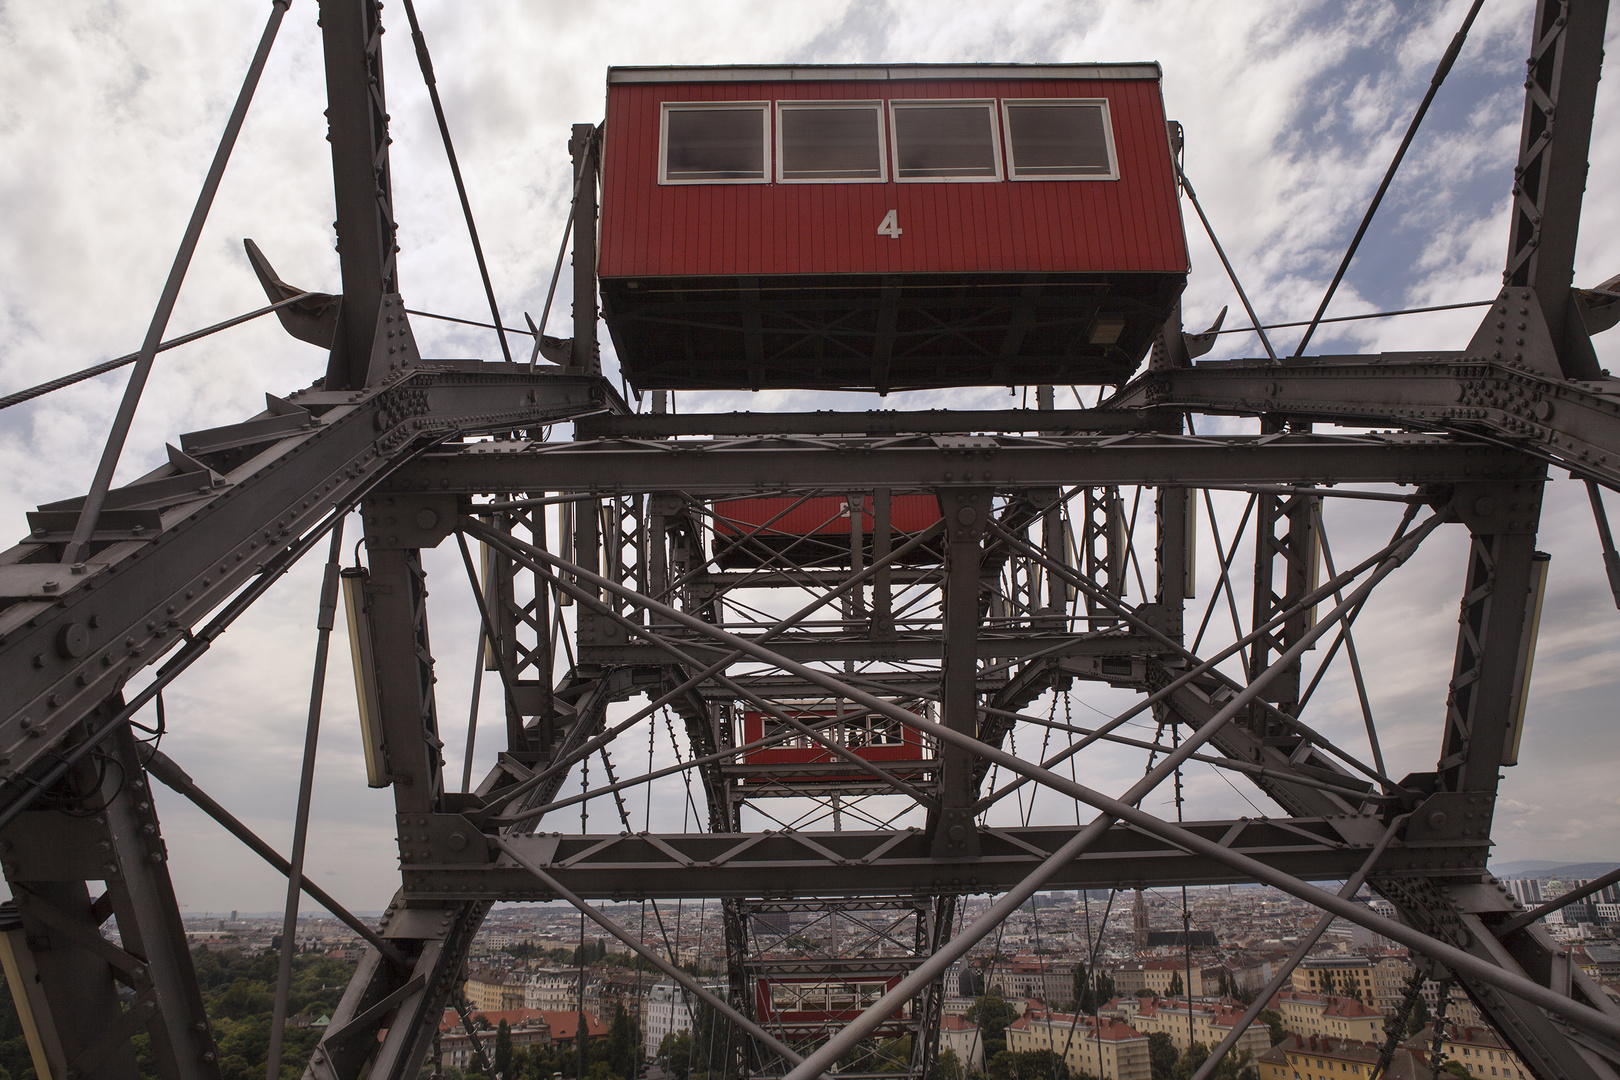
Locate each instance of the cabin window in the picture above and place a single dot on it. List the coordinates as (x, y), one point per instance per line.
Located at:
(1059, 140)
(945, 140)
(831, 141)
(722, 142)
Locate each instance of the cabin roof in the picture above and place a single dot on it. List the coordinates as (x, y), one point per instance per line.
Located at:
(752, 73)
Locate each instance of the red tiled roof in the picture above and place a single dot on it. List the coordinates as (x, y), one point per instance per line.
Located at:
(513, 1018)
(565, 1025)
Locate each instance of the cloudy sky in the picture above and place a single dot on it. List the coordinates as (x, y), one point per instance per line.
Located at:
(109, 113)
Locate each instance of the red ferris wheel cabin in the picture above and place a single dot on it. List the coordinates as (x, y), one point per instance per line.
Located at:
(887, 227)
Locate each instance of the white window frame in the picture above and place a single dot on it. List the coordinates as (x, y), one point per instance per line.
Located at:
(883, 141)
(989, 105)
(1108, 138)
(666, 107)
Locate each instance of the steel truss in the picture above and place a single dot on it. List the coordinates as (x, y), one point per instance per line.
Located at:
(609, 601)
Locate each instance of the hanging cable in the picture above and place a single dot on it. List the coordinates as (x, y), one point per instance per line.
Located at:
(119, 433)
(1192, 196)
(1439, 77)
(1349, 318)
(426, 64)
(129, 358)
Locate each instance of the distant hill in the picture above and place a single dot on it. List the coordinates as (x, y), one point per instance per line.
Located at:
(1541, 868)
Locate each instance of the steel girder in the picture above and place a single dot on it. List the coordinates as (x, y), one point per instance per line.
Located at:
(723, 467)
(855, 864)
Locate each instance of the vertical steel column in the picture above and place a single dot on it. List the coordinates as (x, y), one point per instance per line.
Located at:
(357, 128)
(966, 511)
(584, 147)
(50, 856)
(1175, 556)
(1566, 58)
(1285, 528)
(1494, 641)
(1102, 550)
(882, 588)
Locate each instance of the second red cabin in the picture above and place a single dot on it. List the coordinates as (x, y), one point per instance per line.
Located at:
(815, 531)
(887, 227)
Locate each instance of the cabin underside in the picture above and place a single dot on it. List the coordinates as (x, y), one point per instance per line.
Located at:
(884, 332)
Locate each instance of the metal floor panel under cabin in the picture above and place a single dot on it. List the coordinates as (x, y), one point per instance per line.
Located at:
(885, 332)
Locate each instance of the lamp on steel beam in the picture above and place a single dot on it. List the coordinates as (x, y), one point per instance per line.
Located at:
(368, 694)
(1527, 657)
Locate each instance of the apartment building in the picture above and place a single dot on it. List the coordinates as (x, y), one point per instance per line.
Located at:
(1106, 1048)
(1328, 1016)
(1348, 976)
(1478, 1049)
(1311, 1057)
(1210, 1022)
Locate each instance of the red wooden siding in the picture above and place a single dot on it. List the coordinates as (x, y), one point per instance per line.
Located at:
(1132, 224)
(824, 515)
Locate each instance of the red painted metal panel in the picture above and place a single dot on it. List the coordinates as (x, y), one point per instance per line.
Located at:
(1132, 224)
(824, 515)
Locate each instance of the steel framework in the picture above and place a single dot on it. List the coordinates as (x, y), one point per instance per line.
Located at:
(1063, 554)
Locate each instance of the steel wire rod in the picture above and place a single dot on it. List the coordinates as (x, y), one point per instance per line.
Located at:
(160, 765)
(1440, 73)
(1112, 810)
(425, 62)
(1611, 558)
(788, 623)
(562, 249)
(1225, 563)
(691, 984)
(752, 537)
(1350, 650)
(1451, 956)
(325, 619)
(741, 540)
(1245, 767)
(125, 416)
(1192, 196)
(1358, 318)
(1317, 492)
(656, 774)
(487, 625)
(467, 322)
(129, 358)
(660, 641)
(1263, 998)
(1312, 598)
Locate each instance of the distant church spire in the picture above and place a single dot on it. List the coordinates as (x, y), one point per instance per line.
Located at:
(1140, 916)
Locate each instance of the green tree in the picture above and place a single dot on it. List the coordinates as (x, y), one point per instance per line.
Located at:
(503, 1053)
(1188, 1063)
(1084, 996)
(621, 1042)
(948, 1066)
(992, 1013)
(1162, 1055)
(1274, 1022)
(1177, 987)
(1457, 1068)
(1420, 1017)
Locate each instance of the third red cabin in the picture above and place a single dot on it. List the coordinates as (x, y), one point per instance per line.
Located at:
(887, 227)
